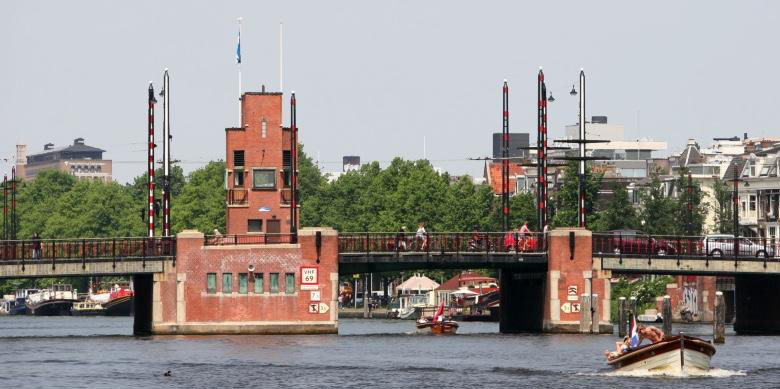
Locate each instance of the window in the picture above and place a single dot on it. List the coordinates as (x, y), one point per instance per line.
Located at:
(238, 178)
(752, 169)
(264, 179)
(743, 206)
(238, 158)
(259, 283)
(274, 283)
(772, 232)
(211, 283)
(242, 282)
(289, 283)
(254, 225)
(227, 282)
(752, 202)
(263, 127)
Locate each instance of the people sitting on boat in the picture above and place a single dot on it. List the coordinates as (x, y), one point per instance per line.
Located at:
(651, 333)
(620, 348)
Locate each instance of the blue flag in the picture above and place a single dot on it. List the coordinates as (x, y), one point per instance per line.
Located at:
(633, 332)
(238, 47)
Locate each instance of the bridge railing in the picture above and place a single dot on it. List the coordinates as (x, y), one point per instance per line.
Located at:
(687, 246)
(443, 242)
(236, 239)
(93, 248)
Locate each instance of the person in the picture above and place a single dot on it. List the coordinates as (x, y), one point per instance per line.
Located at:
(36, 249)
(422, 236)
(525, 233)
(620, 348)
(651, 333)
(400, 239)
(476, 240)
(509, 239)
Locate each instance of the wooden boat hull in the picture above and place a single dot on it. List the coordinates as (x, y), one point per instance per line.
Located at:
(443, 328)
(671, 355)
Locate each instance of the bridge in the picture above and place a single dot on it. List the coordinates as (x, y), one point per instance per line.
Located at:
(537, 271)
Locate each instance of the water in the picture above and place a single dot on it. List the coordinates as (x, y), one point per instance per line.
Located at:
(94, 352)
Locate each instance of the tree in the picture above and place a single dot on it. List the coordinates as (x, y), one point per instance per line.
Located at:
(658, 210)
(689, 210)
(201, 204)
(566, 199)
(620, 213)
(722, 207)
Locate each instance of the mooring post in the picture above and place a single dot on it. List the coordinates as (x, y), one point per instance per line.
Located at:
(622, 317)
(595, 312)
(667, 315)
(585, 313)
(366, 313)
(632, 307)
(719, 324)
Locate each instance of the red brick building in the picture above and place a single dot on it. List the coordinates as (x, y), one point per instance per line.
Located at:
(257, 279)
(259, 168)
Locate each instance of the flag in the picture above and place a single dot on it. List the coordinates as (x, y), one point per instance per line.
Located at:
(238, 46)
(439, 312)
(633, 332)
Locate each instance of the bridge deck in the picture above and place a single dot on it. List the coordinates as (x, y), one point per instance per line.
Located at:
(356, 262)
(688, 265)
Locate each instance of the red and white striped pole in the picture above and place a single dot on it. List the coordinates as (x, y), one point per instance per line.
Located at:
(13, 203)
(151, 160)
(505, 159)
(166, 155)
(5, 207)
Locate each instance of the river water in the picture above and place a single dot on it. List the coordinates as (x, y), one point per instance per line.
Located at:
(99, 352)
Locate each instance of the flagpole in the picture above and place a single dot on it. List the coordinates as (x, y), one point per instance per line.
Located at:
(238, 59)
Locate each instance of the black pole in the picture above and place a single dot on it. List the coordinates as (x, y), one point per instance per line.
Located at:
(736, 202)
(539, 152)
(690, 205)
(293, 173)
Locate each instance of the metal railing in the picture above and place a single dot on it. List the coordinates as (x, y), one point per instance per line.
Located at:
(237, 196)
(94, 248)
(643, 245)
(445, 242)
(232, 240)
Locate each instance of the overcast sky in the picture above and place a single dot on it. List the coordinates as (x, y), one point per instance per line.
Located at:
(373, 78)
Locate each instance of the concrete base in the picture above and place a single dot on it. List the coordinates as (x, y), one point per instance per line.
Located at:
(246, 328)
(757, 305)
(574, 327)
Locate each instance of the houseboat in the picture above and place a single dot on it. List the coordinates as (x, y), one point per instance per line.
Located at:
(54, 301)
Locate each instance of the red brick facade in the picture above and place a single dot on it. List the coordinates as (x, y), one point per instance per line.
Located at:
(183, 303)
(261, 194)
(570, 277)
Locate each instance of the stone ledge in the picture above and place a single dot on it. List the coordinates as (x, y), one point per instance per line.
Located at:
(247, 328)
(565, 232)
(311, 231)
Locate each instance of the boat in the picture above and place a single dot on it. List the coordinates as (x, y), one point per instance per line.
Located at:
(87, 308)
(673, 354)
(16, 304)
(55, 301)
(438, 323)
(120, 301)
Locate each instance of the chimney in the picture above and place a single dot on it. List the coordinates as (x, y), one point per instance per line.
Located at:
(745, 136)
(48, 146)
(262, 88)
(78, 141)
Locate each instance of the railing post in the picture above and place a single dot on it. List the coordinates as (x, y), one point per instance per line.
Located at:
(83, 254)
(368, 250)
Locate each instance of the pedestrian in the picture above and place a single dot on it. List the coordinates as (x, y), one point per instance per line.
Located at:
(524, 234)
(422, 235)
(36, 246)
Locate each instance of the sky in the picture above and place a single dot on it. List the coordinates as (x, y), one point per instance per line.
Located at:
(383, 79)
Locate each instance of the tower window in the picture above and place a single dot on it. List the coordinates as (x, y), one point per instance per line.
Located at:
(263, 127)
(238, 157)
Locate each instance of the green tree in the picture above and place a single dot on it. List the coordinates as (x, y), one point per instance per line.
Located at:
(201, 203)
(522, 208)
(566, 199)
(37, 201)
(722, 207)
(690, 209)
(658, 210)
(620, 213)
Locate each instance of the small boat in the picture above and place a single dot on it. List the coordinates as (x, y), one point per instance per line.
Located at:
(438, 324)
(675, 353)
(120, 301)
(87, 308)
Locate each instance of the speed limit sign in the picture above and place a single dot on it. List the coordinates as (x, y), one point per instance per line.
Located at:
(309, 275)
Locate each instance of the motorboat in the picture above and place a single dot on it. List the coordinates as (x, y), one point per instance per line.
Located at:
(438, 323)
(675, 353)
(87, 308)
(120, 301)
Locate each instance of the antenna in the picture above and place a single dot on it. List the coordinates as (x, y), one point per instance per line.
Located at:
(281, 56)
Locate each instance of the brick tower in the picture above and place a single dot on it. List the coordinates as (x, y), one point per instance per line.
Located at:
(259, 168)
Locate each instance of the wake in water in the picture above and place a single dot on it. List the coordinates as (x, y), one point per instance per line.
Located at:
(675, 373)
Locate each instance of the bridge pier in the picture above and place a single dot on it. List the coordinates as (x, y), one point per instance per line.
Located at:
(757, 304)
(572, 273)
(522, 301)
(142, 304)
